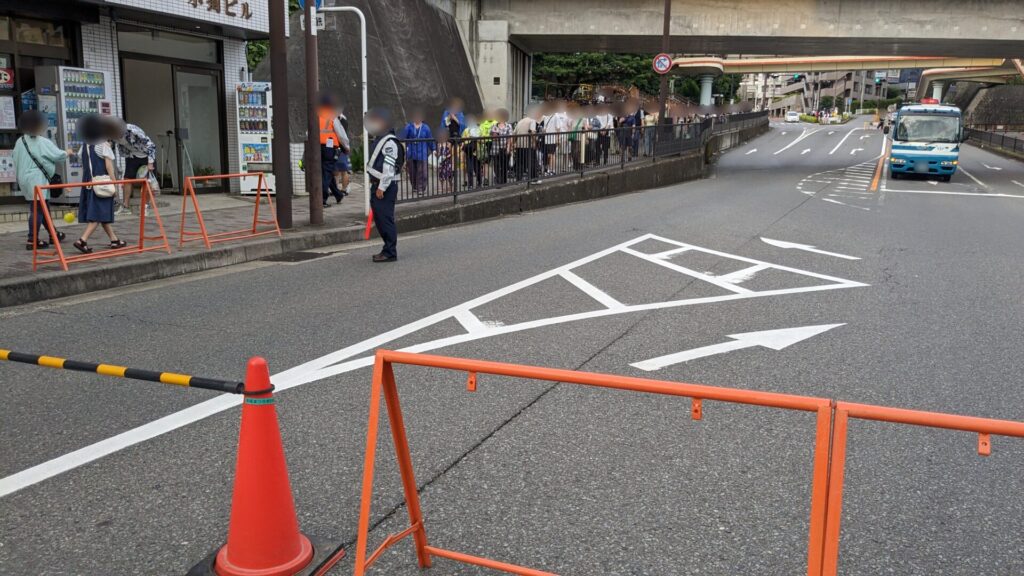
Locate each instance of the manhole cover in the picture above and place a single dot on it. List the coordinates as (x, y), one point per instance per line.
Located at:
(298, 256)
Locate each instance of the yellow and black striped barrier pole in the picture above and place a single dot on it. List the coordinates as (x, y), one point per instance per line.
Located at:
(133, 373)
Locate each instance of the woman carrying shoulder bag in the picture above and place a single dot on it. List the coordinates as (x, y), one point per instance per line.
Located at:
(35, 163)
(96, 203)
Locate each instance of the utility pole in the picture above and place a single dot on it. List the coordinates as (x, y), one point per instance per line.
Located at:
(863, 81)
(314, 183)
(663, 89)
(279, 104)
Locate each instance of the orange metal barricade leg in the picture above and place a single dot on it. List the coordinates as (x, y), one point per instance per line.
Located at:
(412, 497)
(830, 555)
(58, 251)
(368, 462)
(819, 490)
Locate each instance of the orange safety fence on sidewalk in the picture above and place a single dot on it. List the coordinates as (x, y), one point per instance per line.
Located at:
(827, 467)
(147, 203)
(250, 232)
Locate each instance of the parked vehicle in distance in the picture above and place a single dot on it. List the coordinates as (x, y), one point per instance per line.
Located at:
(792, 116)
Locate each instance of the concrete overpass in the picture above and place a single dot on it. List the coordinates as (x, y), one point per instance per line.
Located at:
(707, 68)
(500, 35)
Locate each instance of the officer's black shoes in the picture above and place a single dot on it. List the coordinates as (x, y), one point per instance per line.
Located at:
(378, 258)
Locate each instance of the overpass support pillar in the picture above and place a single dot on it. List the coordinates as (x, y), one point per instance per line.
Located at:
(937, 87)
(706, 80)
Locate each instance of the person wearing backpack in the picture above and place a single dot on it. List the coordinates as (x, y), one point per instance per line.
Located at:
(35, 164)
(384, 167)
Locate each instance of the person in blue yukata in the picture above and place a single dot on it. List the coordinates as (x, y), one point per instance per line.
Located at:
(419, 145)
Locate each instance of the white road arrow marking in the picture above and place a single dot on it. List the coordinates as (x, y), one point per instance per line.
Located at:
(774, 339)
(806, 150)
(991, 167)
(802, 136)
(751, 152)
(865, 136)
(1017, 183)
(806, 247)
(783, 132)
(831, 132)
(855, 150)
(933, 182)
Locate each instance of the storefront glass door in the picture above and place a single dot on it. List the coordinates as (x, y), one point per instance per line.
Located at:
(198, 95)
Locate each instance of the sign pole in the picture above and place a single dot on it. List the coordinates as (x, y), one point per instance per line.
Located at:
(663, 88)
(314, 180)
(366, 107)
(281, 152)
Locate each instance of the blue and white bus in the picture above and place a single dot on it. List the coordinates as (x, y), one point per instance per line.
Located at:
(926, 140)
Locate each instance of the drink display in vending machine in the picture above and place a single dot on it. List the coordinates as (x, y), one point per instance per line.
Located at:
(254, 133)
(77, 92)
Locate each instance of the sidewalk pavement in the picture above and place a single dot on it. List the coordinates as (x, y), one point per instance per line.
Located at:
(343, 223)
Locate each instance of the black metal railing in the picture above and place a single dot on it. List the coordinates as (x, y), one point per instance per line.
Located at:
(435, 169)
(1001, 140)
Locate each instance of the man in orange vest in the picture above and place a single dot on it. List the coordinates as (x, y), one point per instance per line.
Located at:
(330, 144)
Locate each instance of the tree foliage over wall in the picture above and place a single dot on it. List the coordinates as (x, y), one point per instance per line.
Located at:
(256, 50)
(561, 74)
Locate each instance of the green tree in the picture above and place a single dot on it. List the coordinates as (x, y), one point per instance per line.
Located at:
(256, 50)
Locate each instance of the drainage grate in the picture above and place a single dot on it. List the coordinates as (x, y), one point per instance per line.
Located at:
(298, 256)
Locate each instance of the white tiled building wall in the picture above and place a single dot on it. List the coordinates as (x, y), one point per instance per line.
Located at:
(208, 11)
(99, 49)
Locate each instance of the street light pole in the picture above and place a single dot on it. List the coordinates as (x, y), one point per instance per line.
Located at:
(281, 152)
(663, 89)
(366, 135)
(314, 180)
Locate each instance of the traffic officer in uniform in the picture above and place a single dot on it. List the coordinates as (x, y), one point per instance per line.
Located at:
(384, 167)
(330, 142)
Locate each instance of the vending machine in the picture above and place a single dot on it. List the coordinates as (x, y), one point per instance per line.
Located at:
(252, 101)
(76, 92)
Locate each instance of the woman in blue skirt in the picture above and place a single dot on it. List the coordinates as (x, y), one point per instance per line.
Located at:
(97, 160)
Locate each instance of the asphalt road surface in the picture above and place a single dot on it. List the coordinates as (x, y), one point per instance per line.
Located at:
(554, 476)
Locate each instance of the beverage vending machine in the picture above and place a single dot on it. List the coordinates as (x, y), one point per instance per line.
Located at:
(254, 133)
(77, 92)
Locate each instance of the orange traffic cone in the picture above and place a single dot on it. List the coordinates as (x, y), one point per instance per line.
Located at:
(263, 534)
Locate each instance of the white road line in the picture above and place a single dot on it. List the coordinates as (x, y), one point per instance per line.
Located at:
(470, 322)
(971, 176)
(744, 274)
(951, 193)
(803, 135)
(593, 291)
(670, 253)
(844, 204)
(684, 270)
(991, 167)
(751, 152)
(855, 150)
(805, 151)
(843, 140)
(343, 360)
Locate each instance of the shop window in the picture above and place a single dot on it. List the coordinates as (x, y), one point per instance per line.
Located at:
(38, 32)
(5, 28)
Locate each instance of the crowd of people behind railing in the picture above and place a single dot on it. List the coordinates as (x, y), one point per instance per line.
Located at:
(467, 151)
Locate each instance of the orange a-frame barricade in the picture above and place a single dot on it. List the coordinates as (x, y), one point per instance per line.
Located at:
(827, 474)
(210, 239)
(148, 203)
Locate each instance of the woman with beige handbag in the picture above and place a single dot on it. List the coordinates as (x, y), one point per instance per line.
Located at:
(96, 203)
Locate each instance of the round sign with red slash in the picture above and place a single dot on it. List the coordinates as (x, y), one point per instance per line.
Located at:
(662, 63)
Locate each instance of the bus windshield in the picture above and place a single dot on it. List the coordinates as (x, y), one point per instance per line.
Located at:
(928, 128)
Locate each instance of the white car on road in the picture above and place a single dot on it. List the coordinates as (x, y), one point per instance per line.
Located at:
(792, 116)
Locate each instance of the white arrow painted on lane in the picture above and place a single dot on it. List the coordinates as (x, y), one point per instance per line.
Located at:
(855, 150)
(796, 140)
(773, 339)
(806, 247)
(865, 136)
(991, 167)
(831, 132)
(1017, 183)
(806, 150)
(751, 152)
